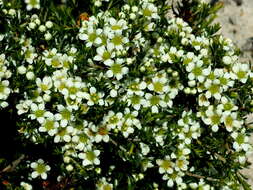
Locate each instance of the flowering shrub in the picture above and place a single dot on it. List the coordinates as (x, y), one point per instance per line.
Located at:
(117, 95)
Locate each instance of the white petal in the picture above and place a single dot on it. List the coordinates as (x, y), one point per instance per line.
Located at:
(97, 58)
(34, 174)
(83, 36)
(109, 73)
(44, 176)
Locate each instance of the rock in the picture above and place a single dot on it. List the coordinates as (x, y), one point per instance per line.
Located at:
(238, 2)
(248, 45)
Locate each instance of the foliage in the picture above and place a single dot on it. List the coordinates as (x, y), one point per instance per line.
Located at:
(108, 94)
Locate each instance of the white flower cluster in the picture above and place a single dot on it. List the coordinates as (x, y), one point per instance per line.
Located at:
(5, 74)
(131, 80)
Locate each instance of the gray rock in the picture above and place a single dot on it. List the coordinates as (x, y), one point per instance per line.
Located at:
(238, 2)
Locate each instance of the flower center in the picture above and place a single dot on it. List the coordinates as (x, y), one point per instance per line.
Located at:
(117, 40)
(240, 139)
(166, 164)
(66, 114)
(90, 156)
(106, 55)
(158, 87)
(107, 187)
(241, 74)
(116, 68)
(92, 37)
(41, 168)
(229, 121)
(214, 89)
(49, 125)
(116, 27)
(197, 71)
(228, 106)
(135, 99)
(114, 119)
(2, 87)
(147, 12)
(154, 100)
(39, 113)
(215, 119)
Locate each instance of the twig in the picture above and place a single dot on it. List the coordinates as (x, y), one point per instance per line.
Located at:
(201, 177)
(116, 144)
(13, 165)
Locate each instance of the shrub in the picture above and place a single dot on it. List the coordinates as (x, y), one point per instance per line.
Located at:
(107, 94)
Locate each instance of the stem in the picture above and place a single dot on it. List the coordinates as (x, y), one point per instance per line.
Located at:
(200, 176)
(13, 165)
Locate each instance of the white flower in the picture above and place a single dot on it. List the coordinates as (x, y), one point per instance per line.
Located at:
(64, 115)
(49, 125)
(30, 75)
(241, 142)
(201, 185)
(158, 85)
(29, 53)
(131, 118)
(32, 25)
(113, 120)
(94, 97)
(240, 72)
(49, 24)
(72, 88)
(48, 36)
(197, 71)
(117, 69)
(181, 164)
(117, 26)
(213, 118)
(227, 60)
(26, 186)
(144, 149)
(149, 10)
(154, 101)
(165, 165)
(136, 87)
(136, 101)
(176, 176)
(230, 120)
(90, 157)
(105, 54)
(126, 129)
(102, 134)
(91, 36)
(227, 105)
(21, 69)
(63, 134)
(38, 112)
(44, 85)
(3, 66)
(113, 93)
(32, 4)
(118, 41)
(69, 167)
(4, 89)
(213, 89)
(203, 100)
(226, 81)
(104, 185)
(40, 169)
(42, 28)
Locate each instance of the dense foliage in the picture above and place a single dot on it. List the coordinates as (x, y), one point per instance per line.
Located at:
(108, 94)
